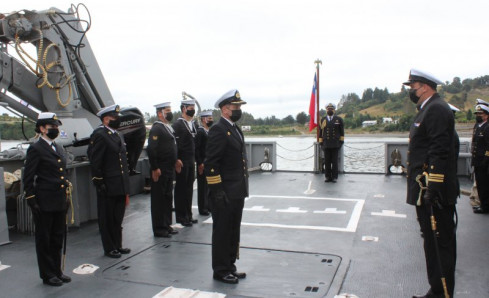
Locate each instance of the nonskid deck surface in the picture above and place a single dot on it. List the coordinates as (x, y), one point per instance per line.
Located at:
(300, 237)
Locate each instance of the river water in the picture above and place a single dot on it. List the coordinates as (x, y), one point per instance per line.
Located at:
(361, 154)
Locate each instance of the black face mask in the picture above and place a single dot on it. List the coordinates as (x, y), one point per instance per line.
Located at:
(209, 123)
(190, 113)
(114, 124)
(235, 115)
(52, 133)
(412, 95)
(330, 113)
(478, 119)
(169, 116)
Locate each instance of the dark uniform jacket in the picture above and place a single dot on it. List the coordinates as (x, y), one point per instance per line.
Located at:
(226, 161)
(432, 150)
(45, 177)
(162, 149)
(108, 160)
(480, 145)
(332, 133)
(185, 141)
(200, 145)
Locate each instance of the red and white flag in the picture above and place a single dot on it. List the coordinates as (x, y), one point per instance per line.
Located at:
(313, 122)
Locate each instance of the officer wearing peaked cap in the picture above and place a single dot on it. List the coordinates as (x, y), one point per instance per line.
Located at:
(480, 155)
(162, 155)
(185, 131)
(225, 168)
(110, 172)
(331, 138)
(432, 159)
(45, 185)
(200, 146)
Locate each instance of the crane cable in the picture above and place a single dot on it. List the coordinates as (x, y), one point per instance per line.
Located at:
(42, 68)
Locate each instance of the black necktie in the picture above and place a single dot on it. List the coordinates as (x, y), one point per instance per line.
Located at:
(53, 146)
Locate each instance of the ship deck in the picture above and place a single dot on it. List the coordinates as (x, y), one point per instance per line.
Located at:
(300, 237)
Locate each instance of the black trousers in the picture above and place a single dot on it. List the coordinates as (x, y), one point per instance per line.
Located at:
(482, 181)
(331, 163)
(447, 246)
(161, 203)
(202, 194)
(110, 211)
(50, 228)
(225, 235)
(184, 189)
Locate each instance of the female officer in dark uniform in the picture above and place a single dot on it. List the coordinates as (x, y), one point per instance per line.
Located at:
(45, 187)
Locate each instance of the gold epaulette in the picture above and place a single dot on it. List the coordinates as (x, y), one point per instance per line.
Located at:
(342, 138)
(214, 179)
(436, 177)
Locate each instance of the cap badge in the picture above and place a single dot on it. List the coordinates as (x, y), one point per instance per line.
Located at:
(237, 95)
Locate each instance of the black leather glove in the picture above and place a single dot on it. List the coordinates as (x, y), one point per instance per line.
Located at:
(431, 198)
(36, 210)
(100, 185)
(220, 198)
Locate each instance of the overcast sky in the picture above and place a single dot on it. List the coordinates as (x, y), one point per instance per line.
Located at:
(151, 51)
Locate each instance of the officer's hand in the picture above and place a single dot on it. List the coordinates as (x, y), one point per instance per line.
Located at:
(430, 197)
(220, 197)
(36, 210)
(178, 166)
(200, 169)
(100, 185)
(155, 175)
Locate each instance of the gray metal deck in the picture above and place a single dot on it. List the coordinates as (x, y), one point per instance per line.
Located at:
(300, 237)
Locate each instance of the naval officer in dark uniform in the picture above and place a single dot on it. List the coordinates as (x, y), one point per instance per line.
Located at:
(45, 184)
(110, 172)
(480, 156)
(331, 138)
(185, 131)
(432, 159)
(226, 171)
(162, 155)
(200, 147)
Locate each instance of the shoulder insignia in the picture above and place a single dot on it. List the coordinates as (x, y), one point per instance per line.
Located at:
(212, 170)
(155, 138)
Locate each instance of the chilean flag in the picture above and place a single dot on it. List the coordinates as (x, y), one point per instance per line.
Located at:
(313, 122)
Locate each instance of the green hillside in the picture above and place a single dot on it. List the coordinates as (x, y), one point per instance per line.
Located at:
(375, 104)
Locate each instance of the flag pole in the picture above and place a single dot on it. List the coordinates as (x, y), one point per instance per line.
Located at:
(318, 127)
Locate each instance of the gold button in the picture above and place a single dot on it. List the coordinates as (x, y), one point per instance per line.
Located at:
(59, 160)
(62, 177)
(61, 169)
(62, 186)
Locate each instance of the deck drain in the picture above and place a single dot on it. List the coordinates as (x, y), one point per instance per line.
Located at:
(326, 261)
(311, 289)
(165, 245)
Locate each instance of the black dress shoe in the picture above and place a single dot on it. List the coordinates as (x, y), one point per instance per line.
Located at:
(239, 275)
(333, 180)
(115, 254)
(194, 221)
(328, 180)
(229, 279)
(163, 234)
(172, 231)
(480, 210)
(124, 250)
(53, 281)
(134, 172)
(186, 224)
(64, 278)
(205, 213)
